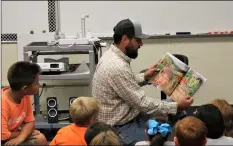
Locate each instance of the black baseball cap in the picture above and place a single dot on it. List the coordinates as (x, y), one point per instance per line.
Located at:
(213, 119)
(130, 28)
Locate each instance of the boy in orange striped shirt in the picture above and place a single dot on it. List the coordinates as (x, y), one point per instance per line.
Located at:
(23, 78)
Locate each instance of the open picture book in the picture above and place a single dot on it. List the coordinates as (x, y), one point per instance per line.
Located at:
(176, 79)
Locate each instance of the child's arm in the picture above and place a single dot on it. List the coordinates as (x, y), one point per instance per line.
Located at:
(14, 135)
(26, 130)
(16, 138)
(23, 135)
(29, 121)
(6, 134)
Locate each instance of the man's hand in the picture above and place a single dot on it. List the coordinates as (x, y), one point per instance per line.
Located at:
(184, 103)
(150, 72)
(14, 142)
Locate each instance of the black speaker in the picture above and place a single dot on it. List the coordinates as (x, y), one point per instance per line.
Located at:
(71, 99)
(52, 110)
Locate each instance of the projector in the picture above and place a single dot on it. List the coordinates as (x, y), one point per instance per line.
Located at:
(53, 67)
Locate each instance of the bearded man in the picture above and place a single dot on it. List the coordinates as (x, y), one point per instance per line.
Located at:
(124, 104)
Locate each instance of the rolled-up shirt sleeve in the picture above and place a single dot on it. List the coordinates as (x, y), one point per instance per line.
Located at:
(140, 79)
(126, 84)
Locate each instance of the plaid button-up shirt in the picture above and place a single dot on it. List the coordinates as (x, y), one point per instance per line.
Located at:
(120, 92)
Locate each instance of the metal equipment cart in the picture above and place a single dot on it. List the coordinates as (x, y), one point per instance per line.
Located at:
(41, 48)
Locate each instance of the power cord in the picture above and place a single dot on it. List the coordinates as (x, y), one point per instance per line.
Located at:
(33, 55)
(41, 91)
(100, 44)
(61, 118)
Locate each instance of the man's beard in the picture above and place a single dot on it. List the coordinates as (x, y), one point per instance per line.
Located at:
(131, 52)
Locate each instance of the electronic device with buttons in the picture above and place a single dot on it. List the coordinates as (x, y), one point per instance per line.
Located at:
(53, 67)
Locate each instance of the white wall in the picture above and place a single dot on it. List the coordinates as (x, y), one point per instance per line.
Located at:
(24, 16)
(155, 16)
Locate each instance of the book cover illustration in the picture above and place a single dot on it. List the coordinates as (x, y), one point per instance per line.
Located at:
(170, 72)
(189, 85)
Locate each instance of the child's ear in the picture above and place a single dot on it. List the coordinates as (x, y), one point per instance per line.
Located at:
(24, 89)
(176, 141)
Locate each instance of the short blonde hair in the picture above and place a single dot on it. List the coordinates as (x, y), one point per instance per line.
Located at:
(227, 112)
(106, 138)
(191, 131)
(83, 110)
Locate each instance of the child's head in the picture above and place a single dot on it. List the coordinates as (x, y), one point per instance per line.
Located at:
(157, 132)
(212, 117)
(106, 138)
(99, 133)
(24, 77)
(190, 131)
(227, 112)
(84, 110)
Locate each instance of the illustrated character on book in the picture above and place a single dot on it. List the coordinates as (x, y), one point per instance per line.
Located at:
(194, 82)
(163, 79)
(188, 86)
(169, 75)
(175, 78)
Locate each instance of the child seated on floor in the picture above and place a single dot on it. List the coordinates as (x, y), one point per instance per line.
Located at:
(83, 112)
(213, 119)
(18, 122)
(99, 134)
(157, 133)
(227, 112)
(211, 116)
(190, 131)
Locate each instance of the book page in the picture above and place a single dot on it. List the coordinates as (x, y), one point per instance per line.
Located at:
(170, 72)
(189, 85)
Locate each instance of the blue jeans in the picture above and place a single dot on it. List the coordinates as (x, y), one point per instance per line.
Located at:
(133, 131)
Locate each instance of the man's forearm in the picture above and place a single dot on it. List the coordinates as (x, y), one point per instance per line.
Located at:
(26, 130)
(150, 106)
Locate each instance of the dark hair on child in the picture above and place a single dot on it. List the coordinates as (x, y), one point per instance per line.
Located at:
(227, 112)
(95, 129)
(213, 119)
(22, 73)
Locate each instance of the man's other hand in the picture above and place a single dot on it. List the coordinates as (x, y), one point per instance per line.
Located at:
(184, 103)
(150, 72)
